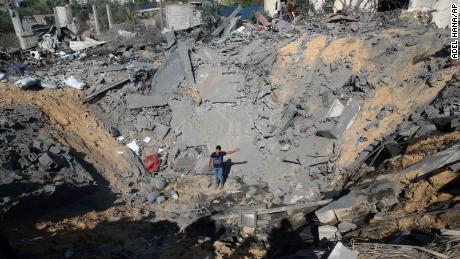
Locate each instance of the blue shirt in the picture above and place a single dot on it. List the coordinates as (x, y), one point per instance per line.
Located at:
(217, 159)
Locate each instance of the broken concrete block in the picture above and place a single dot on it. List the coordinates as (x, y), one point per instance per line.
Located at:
(158, 183)
(288, 116)
(393, 148)
(329, 233)
(341, 208)
(336, 109)
(186, 63)
(343, 122)
(170, 37)
(346, 226)
(48, 162)
(161, 130)
(169, 75)
(342, 252)
(55, 150)
(433, 162)
(184, 164)
(136, 101)
(426, 130)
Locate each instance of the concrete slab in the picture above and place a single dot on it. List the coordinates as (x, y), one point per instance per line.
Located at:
(222, 125)
(169, 75)
(217, 87)
(135, 101)
(338, 209)
(343, 122)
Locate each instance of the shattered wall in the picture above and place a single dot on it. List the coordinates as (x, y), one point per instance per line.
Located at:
(182, 16)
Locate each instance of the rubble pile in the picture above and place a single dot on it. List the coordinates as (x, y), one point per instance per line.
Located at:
(340, 123)
(36, 168)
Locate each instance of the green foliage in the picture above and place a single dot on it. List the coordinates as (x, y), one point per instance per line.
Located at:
(304, 7)
(30, 7)
(5, 21)
(209, 14)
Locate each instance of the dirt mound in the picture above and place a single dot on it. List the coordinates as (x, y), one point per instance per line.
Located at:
(73, 126)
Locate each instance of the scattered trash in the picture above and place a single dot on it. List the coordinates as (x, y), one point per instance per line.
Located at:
(74, 82)
(174, 195)
(146, 140)
(27, 82)
(134, 147)
(151, 162)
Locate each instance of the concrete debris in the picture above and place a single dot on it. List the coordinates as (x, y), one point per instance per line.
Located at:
(170, 36)
(311, 102)
(330, 233)
(337, 127)
(35, 159)
(93, 96)
(158, 183)
(176, 68)
(346, 226)
(223, 25)
(135, 101)
(342, 252)
(81, 45)
(433, 162)
(339, 209)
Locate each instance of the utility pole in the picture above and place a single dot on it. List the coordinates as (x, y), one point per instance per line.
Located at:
(109, 15)
(96, 20)
(161, 15)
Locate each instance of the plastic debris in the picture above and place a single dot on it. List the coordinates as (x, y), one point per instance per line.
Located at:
(147, 139)
(134, 147)
(27, 82)
(174, 194)
(74, 82)
(151, 162)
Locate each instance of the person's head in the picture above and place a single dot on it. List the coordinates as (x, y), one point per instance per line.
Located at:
(218, 149)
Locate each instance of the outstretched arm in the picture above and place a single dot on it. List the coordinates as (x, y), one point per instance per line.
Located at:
(233, 151)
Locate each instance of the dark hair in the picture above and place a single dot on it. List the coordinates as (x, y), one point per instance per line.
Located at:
(218, 147)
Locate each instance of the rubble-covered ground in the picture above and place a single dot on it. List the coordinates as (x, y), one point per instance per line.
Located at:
(346, 129)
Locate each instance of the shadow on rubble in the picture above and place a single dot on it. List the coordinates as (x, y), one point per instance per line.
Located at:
(228, 167)
(287, 241)
(66, 201)
(124, 238)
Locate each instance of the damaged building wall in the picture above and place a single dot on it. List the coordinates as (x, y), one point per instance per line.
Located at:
(182, 16)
